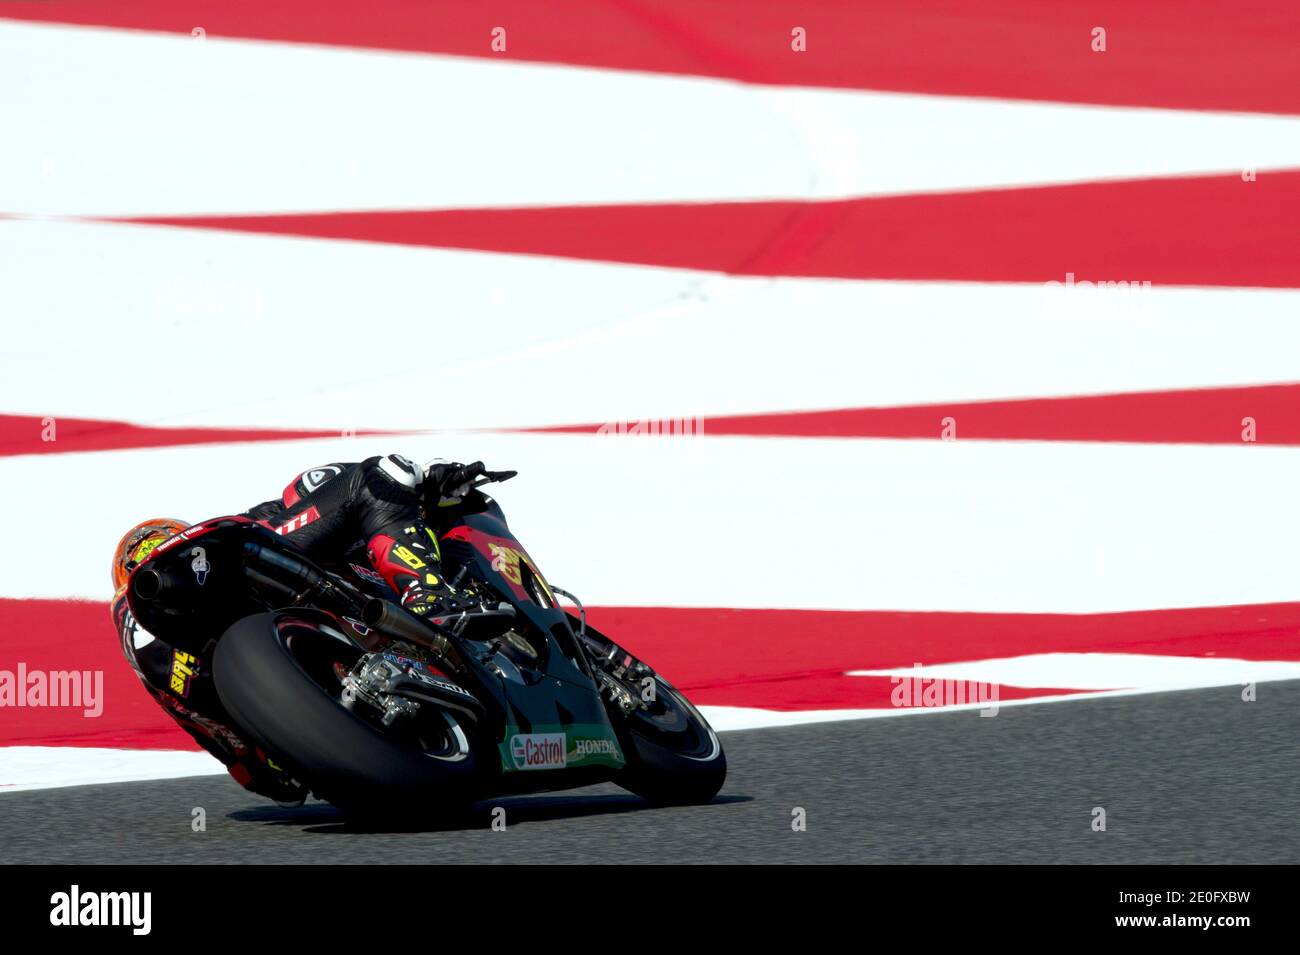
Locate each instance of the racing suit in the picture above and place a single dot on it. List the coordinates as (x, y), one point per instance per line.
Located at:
(337, 512)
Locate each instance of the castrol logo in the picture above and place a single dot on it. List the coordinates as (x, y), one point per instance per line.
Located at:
(538, 750)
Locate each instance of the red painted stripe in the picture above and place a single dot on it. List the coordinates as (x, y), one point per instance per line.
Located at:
(1199, 416)
(78, 635)
(1189, 54)
(1196, 416)
(777, 659)
(706, 647)
(31, 434)
(1201, 230)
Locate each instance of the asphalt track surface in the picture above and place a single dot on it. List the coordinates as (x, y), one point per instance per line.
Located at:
(1185, 777)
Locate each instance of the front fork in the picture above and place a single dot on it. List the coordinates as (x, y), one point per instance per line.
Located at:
(617, 672)
(624, 680)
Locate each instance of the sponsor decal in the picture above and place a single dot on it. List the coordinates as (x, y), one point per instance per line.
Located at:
(443, 684)
(200, 565)
(593, 747)
(219, 733)
(505, 561)
(170, 542)
(298, 521)
(509, 561)
(314, 478)
(538, 751)
(365, 573)
(357, 625)
(184, 667)
(420, 670)
(584, 744)
(186, 534)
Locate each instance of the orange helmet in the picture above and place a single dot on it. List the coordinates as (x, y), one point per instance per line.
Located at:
(138, 543)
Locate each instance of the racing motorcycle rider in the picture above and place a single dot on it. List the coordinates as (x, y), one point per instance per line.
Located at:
(333, 513)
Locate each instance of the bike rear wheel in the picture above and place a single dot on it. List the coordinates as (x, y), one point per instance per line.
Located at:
(274, 673)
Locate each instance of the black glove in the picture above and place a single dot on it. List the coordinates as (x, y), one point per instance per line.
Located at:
(446, 482)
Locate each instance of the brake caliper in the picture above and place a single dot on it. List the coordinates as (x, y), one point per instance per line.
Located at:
(620, 674)
(371, 681)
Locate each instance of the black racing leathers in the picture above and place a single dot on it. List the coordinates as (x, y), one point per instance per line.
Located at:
(336, 510)
(334, 513)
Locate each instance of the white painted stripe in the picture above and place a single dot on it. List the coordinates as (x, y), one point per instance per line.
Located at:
(298, 333)
(119, 122)
(1101, 671)
(768, 522)
(49, 767)
(726, 718)
(730, 718)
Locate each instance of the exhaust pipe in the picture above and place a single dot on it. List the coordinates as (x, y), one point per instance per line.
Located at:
(386, 617)
(149, 584)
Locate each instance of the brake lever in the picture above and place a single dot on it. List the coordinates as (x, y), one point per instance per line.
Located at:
(493, 477)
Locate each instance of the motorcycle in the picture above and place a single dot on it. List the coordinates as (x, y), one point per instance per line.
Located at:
(374, 709)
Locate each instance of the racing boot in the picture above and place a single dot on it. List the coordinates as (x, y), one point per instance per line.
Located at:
(410, 561)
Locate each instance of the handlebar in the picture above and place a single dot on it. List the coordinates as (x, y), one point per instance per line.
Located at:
(494, 477)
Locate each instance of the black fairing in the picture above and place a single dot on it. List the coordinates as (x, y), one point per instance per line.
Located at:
(186, 612)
